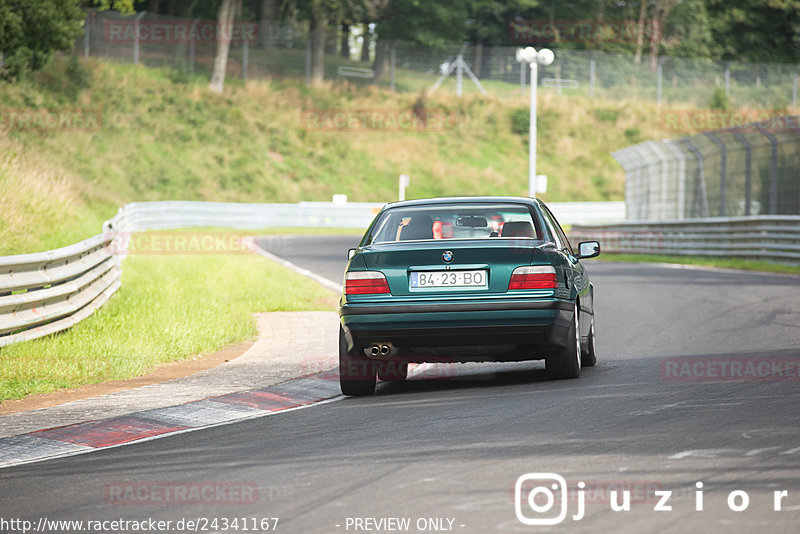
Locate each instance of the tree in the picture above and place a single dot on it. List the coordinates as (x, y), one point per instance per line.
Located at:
(267, 22)
(422, 22)
(317, 27)
(489, 23)
(31, 31)
(123, 6)
(320, 14)
(225, 18)
(756, 30)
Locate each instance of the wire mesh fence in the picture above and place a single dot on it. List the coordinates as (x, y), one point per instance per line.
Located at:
(260, 50)
(752, 169)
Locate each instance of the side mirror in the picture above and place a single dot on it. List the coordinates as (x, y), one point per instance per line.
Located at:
(588, 249)
(350, 253)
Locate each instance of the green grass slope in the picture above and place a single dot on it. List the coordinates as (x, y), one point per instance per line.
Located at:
(164, 135)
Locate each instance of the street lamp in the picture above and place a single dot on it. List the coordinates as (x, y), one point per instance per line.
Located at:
(543, 57)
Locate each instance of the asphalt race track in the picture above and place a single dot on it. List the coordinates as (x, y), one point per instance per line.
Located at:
(696, 382)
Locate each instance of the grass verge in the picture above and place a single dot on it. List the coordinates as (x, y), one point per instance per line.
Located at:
(169, 308)
(711, 261)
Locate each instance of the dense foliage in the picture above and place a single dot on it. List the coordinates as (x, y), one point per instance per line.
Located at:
(31, 30)
(748, 30)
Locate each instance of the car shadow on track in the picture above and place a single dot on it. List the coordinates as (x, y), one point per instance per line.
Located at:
(441, 377)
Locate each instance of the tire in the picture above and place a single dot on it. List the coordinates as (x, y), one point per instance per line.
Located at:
(589, 356)
(356, 372)
(392, 370)
(566, 363)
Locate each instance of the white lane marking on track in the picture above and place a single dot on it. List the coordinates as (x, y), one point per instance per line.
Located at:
(792, 451)
(756, 452)
(688, 267)
(328, 284)
(700, 453)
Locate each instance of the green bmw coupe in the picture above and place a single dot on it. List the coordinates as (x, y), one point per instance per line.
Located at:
(464, 280)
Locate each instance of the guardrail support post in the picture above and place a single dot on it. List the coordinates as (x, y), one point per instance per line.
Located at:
(773, 168)
(700, 195)
(748, 168)
(723, 167)
(681, 177)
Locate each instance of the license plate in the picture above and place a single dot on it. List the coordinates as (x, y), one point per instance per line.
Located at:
(445, 279)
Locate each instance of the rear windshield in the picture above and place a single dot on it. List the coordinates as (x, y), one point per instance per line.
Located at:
(455, 221)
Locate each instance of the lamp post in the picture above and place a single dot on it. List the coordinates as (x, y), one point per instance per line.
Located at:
(543, 57)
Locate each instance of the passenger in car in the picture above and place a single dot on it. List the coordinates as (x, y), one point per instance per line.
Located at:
(518, 229)
(419, 227)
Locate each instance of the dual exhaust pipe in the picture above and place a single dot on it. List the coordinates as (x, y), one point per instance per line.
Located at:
(380, 350)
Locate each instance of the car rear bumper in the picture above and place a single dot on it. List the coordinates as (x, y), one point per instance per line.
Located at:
(539, 323)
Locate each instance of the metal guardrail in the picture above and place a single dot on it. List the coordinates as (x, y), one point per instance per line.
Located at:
(569, 213)
(166, 215)
(47, 292)
(767, 237)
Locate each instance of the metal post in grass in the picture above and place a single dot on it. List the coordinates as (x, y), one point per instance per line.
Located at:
(137, 37)
(522, 79)
(533, 58)
(459, 75)
(659, 79)
(87, 29)
(391, 66)
(592, 66)
(245, 58)
(727, 78)
(403, 182)
(192, 35)
(794, 90)
(308, 59)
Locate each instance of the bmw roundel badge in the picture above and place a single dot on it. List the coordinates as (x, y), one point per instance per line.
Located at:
(447, 256)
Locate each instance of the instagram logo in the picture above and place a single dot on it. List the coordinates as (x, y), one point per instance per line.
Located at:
(540, 492)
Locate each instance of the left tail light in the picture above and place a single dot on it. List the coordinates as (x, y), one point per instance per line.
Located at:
(365, 283)
(534, 277)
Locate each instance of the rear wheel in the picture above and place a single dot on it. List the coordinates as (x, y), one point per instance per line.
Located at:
(589, 356)
(392, 370)
(356, 371)
(566, 363)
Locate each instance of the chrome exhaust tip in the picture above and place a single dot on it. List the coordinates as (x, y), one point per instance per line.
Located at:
(385, 350)
(375, 350)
